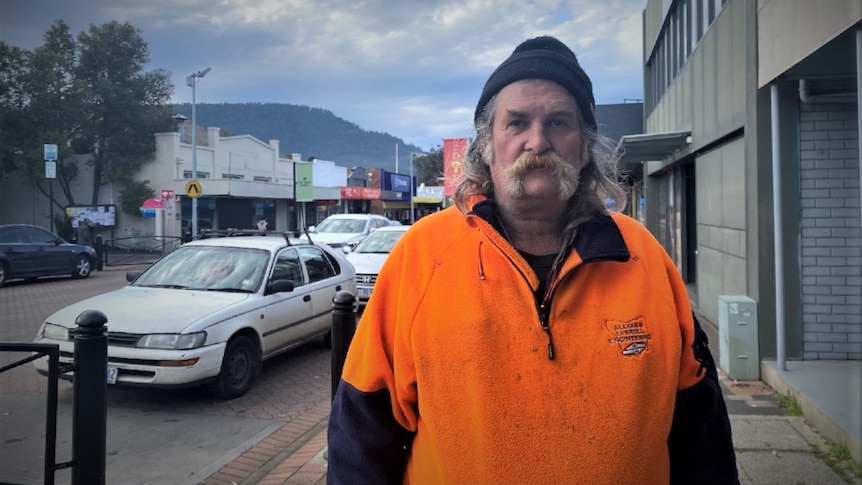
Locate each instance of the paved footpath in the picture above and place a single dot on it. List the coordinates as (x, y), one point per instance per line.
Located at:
(772, 447)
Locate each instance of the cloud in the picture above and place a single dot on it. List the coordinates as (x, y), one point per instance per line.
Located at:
(412, 68)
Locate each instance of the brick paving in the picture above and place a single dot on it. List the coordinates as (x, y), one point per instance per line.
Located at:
(293, 388)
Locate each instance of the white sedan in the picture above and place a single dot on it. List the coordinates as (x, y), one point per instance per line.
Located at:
(368, 257)
(339, 230)
(211, 312)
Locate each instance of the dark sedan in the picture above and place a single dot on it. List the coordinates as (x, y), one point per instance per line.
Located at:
(29, 252)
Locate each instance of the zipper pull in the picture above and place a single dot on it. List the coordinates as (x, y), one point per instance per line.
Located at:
(543, 318)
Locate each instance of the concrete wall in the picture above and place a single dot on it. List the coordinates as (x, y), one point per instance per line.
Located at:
(791, 30)
(721, 226)
(708, 95)
(22, 201)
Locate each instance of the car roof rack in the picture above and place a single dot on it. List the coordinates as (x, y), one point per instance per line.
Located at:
(234, 232)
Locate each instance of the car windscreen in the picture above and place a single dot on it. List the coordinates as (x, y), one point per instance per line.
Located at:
(379, 242)
(341, 226)
(208, 268)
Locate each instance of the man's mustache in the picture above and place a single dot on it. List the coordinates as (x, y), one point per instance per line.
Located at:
(530, 161)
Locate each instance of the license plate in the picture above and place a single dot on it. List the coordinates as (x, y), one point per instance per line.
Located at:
(112, 375)
(364, 293)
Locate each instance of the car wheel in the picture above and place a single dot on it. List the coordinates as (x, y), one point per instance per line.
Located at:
(2, 274)
(238, 368)
(83, 267)
(327, 340)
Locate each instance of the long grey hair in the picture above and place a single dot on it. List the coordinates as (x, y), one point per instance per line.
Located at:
(599, 190)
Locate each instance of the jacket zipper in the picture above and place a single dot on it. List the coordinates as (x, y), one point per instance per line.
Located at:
(544, 317)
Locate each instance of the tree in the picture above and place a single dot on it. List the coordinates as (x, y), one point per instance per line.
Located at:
(428, 167)
(132, 197)
(88, 96)
(124, 106)
(13, 99)
(52, 110)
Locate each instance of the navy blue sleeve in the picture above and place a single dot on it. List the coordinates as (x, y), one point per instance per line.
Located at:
(365, 443)
(700, 442)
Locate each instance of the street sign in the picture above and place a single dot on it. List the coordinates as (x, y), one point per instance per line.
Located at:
(50, 170)
(193, 189)
(50, 152)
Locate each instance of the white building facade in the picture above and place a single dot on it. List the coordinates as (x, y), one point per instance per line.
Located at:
(242, 181)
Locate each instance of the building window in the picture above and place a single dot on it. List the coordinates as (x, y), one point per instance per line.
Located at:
(258, 178)
(232, 176)
(187, 174)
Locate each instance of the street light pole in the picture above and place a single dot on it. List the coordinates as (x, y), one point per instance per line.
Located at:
(413, 186)
(191, 81)
(412, 190)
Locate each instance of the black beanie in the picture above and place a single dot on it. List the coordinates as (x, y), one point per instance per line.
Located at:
(543, 58)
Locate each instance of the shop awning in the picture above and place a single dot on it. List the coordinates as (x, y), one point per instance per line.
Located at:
(652, 146)
(400, 204)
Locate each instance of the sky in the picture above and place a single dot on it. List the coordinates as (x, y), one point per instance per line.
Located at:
(410, 68)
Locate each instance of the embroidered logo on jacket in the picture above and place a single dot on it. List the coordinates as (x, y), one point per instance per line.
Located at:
(632, 337)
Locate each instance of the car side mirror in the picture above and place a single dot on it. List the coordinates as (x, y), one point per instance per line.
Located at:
(132, 275)
(347, 248)
(279, 286)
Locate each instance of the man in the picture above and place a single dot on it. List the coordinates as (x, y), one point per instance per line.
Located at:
(84, 233)
(529, 335)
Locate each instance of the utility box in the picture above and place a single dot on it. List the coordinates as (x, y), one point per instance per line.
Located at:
(739, 355)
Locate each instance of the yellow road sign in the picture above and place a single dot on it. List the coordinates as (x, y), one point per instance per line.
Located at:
(193, 189)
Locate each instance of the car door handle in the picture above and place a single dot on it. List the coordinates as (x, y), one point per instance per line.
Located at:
(306, 298)
(337, 287)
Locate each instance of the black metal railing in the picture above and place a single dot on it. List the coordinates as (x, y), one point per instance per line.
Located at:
(89, 398)
(37, 351)
(134, 249)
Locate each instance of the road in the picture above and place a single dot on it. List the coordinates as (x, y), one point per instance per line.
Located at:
(154, 436)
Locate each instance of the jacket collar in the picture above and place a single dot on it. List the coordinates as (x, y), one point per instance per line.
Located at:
(598, 239)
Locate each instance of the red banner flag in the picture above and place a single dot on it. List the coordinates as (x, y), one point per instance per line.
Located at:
(454, 150)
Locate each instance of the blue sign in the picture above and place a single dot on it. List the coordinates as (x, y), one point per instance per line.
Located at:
(50, 152)
(400, 183)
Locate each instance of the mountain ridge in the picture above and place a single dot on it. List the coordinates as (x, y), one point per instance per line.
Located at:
(311, 132)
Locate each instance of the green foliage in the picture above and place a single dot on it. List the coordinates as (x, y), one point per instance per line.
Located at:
(428, 167)
(14, 131)
(790, 404)
(839, 460)
(87, 96)
(132, 197)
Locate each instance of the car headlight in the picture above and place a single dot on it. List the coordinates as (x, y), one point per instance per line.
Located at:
(172, 341)
(53, 332)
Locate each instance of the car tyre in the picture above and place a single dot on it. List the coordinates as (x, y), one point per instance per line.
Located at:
(2, 274)
(238, 369)
(327, 340)
(83, 267)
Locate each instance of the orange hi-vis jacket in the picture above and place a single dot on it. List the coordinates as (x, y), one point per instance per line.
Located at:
(459, 373)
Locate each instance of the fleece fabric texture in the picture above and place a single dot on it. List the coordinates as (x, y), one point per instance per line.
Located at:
(448, 378)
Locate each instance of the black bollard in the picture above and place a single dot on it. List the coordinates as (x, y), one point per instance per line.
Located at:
(89, 403)
(343, 327)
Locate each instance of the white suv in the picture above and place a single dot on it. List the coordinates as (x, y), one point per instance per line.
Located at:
(340, 230)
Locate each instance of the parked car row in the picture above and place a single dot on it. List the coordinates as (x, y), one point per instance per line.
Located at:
(210, 312)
